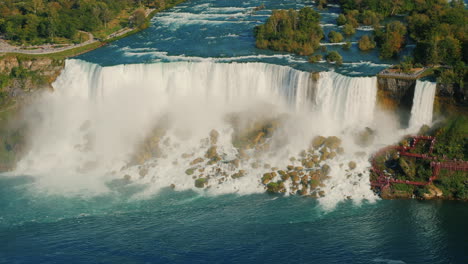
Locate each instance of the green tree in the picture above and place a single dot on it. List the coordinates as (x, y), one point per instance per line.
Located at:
(349, 30)
(334, 56)
(366, 43)
(138, 18)
(341, 20)
(335, 37)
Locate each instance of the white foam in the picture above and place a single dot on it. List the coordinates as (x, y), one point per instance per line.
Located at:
(115, 107)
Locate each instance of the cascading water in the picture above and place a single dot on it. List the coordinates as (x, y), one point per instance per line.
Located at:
(423, 104)
(95, 121)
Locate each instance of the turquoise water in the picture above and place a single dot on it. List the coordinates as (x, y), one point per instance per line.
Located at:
(185, 227)
(222, 31)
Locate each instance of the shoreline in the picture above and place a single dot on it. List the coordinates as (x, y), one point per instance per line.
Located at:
(90, 45)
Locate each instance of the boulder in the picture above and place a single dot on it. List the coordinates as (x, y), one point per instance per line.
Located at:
(325, 169)
(212, 154)
(266, 178)
(190, 171)
(332, 142)
(309, 164)
(201, 183)
(239, 174)
(196, 161)
(317, 142)
(276, 187)
(352, 165)
(214, 137)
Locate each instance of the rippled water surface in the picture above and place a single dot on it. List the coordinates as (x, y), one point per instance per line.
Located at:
(222, 31)
(184, 227)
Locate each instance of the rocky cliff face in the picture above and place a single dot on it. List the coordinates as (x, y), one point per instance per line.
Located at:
(397, 95)
(28, 75)
(20, 78)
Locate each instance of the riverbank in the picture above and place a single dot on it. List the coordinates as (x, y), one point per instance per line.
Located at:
(68, 51)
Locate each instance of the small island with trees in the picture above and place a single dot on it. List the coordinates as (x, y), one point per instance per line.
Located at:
(436, 28)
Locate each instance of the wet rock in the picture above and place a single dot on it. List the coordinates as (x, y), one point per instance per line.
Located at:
(325, 169)
(214, 137)
(190, 171)
(317, 142)
(172, 186)
(315, 158)
(294, 177)
(314, 184)
(298, 168)
(352, 165)
(143, 172)
(266, 166)
(304, 191)
(201, 183)
(276, 187)
(239, 174)
(236, 163)
(196, 161)
(212, 154)
(305, 180)
(321, 193)
(267, 177)
(303, 154)
(285, 177)
(290, 167)
(332, 142)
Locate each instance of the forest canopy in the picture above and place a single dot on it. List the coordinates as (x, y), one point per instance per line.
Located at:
(291, 31)
(52, 21)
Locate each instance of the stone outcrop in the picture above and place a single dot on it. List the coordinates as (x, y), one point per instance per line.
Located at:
(29, 74)
(397, 95)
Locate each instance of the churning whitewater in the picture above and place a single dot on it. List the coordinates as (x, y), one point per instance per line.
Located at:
(93, 131)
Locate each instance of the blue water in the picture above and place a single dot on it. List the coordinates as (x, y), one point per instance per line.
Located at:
(186, 227)
(222, 31)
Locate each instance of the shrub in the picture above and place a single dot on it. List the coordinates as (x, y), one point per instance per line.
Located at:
(335, 37)
(366, 43)
(349, 30)
(334, 56)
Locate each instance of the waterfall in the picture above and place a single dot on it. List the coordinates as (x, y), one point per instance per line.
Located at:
(94, 121)
(348, 100)
(423, 104)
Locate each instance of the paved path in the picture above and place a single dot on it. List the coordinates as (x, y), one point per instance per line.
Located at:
(43, 49)
(49, 49)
